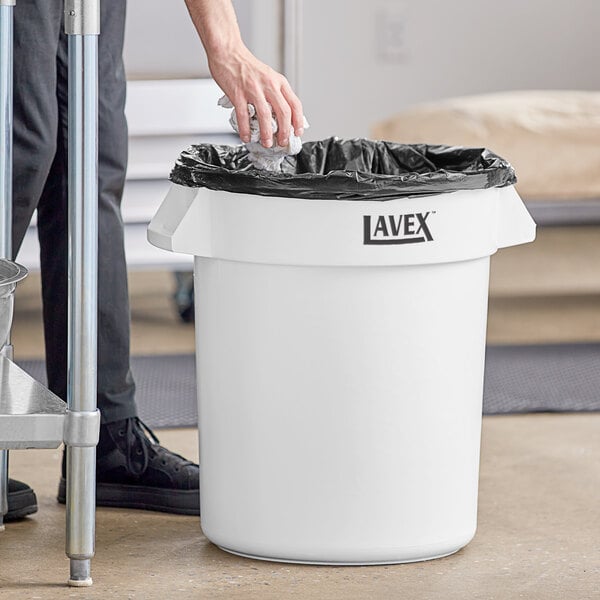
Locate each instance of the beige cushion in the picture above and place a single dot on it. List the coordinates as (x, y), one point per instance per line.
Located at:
(552, 138)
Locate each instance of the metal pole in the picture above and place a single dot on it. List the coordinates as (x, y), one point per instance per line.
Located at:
(292, 42)
(6, 124)
(82, 25)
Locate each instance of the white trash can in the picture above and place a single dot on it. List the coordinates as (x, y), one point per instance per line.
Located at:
(340, 360)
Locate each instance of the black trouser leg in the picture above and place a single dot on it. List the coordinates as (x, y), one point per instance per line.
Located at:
(40, 180)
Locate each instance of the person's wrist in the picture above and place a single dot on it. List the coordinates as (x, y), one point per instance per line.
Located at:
(226, 50)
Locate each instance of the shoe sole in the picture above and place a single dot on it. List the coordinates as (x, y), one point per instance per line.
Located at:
(114, 495)
(20, 504)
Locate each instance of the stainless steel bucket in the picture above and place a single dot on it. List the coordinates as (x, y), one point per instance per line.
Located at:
(10, 274)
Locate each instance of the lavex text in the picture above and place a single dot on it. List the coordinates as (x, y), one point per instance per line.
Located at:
(397, 229)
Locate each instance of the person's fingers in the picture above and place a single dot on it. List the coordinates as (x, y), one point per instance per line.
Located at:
(296, 108)
(243, 120)
(264, 115)
(283, 114)
(245, 79)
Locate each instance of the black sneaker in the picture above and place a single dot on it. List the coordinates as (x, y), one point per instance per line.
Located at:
(134, 471)
(21, 501)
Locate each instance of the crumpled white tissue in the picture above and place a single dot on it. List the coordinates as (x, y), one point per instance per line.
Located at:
(265, 159)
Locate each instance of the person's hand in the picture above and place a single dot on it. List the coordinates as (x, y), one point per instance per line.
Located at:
(243, 78)
(246, 80)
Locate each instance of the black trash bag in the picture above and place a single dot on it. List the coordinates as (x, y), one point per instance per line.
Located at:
(355, 169)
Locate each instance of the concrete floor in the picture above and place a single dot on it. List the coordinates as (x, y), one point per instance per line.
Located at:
(538, 535)
(539, 521)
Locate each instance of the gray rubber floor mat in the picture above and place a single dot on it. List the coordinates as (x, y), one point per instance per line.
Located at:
(518, 379)
(165, 388)
(544, 378)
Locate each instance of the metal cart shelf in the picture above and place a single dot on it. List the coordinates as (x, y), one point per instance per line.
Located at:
(30, 415)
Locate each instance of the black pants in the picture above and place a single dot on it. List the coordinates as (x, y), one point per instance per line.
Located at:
(40, 181)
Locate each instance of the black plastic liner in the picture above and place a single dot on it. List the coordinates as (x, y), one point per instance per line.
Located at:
(355, 169)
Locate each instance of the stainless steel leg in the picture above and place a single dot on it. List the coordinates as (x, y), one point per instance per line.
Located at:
(8, 352)
(6, 120)
(82, 19)
(6, 124)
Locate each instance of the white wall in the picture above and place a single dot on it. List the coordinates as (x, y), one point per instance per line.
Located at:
(448, 48)
(161, 42)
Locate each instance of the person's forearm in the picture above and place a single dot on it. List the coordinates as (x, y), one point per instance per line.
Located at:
(217, 26)
(242, 77)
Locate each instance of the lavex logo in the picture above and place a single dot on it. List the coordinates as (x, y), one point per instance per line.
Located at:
(397, 229)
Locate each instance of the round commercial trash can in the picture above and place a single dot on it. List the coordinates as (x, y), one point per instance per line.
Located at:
(340, 359)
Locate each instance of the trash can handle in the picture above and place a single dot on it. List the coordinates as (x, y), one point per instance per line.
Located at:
(515, 225)
(172, 229)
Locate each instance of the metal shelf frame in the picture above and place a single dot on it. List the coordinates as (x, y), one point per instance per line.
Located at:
(30, 415)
